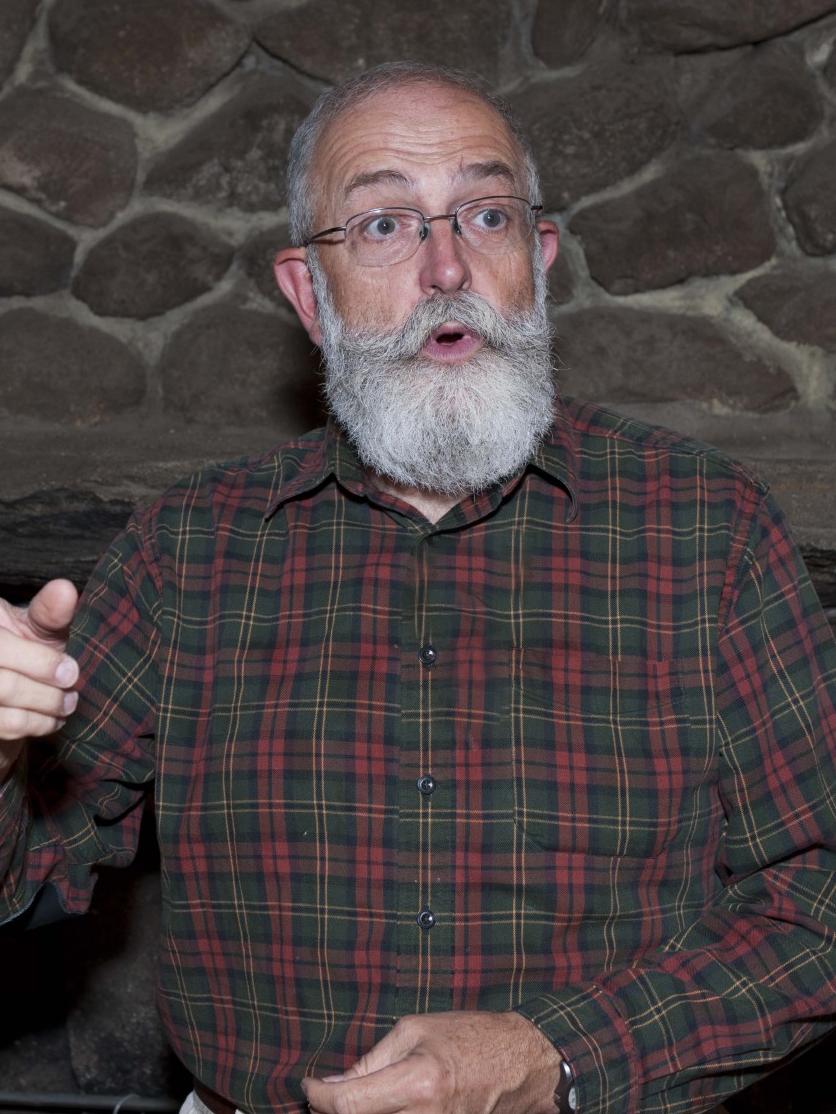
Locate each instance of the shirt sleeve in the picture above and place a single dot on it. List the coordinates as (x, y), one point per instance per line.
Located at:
(73, 800)
(752, 979)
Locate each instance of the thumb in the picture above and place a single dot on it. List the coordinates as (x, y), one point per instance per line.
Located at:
(396, 1044)
(51, 611)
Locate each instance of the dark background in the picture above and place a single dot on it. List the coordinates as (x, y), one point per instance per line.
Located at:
(688, 150)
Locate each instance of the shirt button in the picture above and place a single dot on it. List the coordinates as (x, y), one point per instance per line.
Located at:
(428, 655)
(426, 784)
(426, 918)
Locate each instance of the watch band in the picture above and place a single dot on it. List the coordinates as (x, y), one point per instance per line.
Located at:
(566, 1093)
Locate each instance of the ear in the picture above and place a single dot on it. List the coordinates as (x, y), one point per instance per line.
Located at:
(549, 235)
(294, 280)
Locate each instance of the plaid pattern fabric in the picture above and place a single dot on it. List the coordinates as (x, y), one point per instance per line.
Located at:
(615, 672)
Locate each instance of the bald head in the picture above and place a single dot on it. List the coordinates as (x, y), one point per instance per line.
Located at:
(314, 139)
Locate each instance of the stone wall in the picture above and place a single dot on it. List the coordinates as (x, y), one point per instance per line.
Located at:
(689, 155)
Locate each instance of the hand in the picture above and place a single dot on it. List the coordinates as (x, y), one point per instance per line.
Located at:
(36, 677)
(467, 1062)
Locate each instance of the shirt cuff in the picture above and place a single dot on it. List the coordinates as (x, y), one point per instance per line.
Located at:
(591, 1035)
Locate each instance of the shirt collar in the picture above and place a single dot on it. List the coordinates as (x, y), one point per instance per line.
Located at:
(555, 458)
(329, 456)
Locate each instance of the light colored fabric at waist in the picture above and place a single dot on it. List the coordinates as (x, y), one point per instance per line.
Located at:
(193, 1104)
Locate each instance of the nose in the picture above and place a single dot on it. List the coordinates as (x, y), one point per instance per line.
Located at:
(444, 265)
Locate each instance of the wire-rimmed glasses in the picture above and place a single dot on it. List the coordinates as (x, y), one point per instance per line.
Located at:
(381, 237)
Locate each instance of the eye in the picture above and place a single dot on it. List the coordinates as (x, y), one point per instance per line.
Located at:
(381, 226)
(490, 220)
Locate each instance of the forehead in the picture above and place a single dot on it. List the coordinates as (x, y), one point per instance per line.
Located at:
(428, 134)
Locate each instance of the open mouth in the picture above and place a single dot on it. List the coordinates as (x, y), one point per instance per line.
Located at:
(452, 342)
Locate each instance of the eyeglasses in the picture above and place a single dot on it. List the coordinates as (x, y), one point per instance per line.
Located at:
(381, 237)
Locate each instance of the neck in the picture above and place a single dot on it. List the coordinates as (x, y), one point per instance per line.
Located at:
(430, 504)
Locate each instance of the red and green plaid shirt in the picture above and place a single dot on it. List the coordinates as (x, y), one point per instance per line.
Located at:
(567, 751)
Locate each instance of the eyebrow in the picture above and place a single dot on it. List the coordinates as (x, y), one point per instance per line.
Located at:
(374, 178)
(496, 168)
(474, 171)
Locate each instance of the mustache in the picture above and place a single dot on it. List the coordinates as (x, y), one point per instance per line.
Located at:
(502, 333)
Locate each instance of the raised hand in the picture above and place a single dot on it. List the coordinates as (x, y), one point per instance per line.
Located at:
(36, 676)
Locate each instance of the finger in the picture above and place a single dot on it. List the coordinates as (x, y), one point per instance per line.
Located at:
(51, 611)
(17, 724)
(394, 1088)
(36, 660)
(19, 691)
(335, 1098)
(397, 1043)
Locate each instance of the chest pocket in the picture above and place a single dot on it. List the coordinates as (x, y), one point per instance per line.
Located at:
(605, 758)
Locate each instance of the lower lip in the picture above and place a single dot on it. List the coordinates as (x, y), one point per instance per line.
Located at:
(452, 352)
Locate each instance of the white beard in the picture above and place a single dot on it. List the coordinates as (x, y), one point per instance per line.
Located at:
(443, 428)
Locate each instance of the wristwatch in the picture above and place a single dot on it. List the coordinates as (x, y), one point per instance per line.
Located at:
(566, 1093)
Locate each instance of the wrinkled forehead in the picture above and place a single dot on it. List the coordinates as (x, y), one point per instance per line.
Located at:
(428, 136)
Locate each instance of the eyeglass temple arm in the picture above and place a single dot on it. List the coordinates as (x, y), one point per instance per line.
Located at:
(324, 232)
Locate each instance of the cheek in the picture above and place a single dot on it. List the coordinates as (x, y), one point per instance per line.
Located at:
(372, 298)
(340, 290)
(513, 283)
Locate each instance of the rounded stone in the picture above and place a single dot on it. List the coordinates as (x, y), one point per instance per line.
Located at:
(757, 97)
(152, 56)
(61, 371)
(563, 32)
(70, 160)
(591, 130)
(685, 25)
(36, 258)
(241, 367)
(150, 265)
(334, 40)
(810, 200)
(708, 215)
(797, 302)
(257, 261)
(237, 157)
(614, 354)
(16, 19)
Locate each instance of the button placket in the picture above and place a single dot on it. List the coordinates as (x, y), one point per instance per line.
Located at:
(423, 844)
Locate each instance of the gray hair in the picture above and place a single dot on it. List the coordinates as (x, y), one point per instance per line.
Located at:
(301, 191)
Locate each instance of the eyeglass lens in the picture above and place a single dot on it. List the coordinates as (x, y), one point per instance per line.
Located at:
(493, 225)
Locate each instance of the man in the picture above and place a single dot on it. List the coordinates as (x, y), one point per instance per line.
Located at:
(499, 715)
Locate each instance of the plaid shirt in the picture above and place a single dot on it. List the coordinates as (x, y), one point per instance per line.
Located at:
(568, 751)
